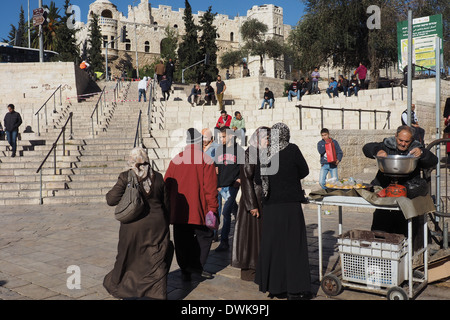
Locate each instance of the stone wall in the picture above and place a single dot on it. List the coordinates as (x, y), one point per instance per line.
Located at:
(29, 85)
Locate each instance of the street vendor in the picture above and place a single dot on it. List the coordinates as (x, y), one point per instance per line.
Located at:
(402, 143)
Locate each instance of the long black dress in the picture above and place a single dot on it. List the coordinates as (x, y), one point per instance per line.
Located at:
(247, 234)
(283, 266)
(144, 250)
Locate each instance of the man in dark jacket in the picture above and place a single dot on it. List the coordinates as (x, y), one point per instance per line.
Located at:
(12, 121)
(402, 143)
(228, 159)
(165, 87)
(268, 98)
(170, 69)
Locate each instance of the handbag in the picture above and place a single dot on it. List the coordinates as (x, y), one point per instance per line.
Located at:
(211, 221)
(131, 205)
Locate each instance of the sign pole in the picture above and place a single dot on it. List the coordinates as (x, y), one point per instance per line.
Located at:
(410, 60)
(41, 39)
(438, 122)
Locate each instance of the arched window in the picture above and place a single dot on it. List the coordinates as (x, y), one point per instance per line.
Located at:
(232, 36)
(107, 14)
(147, 46)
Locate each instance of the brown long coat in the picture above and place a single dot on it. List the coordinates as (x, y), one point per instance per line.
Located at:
(144, 251)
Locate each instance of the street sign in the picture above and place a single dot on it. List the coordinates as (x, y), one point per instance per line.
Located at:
(38, 20)
(425, 31)
(38, 12)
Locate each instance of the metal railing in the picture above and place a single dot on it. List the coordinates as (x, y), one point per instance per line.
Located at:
(139, 135)
(342, 111)
(53, 149)
(150, 105)
(44, 106)
(440, 190)
(95, 111)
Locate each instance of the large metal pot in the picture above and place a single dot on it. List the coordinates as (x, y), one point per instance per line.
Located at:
(397, 165)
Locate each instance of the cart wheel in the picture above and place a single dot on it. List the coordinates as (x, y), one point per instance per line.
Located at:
(331, 285)
(397, 293)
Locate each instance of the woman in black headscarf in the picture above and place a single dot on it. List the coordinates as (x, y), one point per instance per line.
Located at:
(247, 234)
(283, 266)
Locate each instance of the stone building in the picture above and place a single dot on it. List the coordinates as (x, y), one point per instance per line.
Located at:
(146, 27)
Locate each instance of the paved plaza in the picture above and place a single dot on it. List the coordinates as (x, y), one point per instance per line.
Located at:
(41, 245)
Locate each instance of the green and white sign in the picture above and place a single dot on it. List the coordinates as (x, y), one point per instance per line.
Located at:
(425, 31)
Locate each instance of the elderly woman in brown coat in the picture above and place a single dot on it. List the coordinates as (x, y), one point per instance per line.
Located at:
(247, 235)
(144, 251)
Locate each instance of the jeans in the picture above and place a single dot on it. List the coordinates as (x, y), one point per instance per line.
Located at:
(315, 86)
(354, 89)
(11, 136)
(269, 101)
(229, 196)
(293, 93)
(334, 90)
(324, 172)
(241, 134)
(142, 93)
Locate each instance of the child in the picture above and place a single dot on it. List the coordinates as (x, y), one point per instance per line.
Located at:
(326, 166)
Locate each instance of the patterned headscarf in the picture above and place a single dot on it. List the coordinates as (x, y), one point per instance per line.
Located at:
(280, 136)
(139, 162)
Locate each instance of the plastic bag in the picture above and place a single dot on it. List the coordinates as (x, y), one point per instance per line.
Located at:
(416, 187)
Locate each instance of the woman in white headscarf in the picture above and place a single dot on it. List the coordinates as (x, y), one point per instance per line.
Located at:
(144, 251)
(283, 265)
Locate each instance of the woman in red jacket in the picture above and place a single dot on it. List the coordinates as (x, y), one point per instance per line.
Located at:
(191, 181)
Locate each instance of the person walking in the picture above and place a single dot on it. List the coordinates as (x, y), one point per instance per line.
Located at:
(315, 76)
(229, 156)
(144, 252)
(283, 264)
(361, 72)
(170, 69)
(12, 122)
(191, 182)
(328, 165)
(248, 224)
(165, 88)
(142, 87)
(220, 90)
(160, 70)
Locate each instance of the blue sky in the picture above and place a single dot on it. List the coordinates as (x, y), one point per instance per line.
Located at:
(293, 9)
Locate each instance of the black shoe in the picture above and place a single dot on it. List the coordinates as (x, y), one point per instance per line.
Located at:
(299, 296)
(13, 155)
(206, 275)
(185, 276)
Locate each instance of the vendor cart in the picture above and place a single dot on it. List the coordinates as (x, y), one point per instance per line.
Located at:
(400, 259)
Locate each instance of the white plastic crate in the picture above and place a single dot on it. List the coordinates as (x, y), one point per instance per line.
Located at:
(373, 258)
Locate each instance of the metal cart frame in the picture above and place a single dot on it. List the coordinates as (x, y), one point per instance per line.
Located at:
(348, 201)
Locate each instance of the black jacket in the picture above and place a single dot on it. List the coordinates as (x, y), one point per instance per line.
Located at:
(268, 95)
(427, 159)
(13, 120)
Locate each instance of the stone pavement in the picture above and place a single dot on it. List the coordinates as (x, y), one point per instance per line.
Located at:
(39, 243)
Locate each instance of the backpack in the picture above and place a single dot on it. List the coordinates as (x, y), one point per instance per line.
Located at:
(131, 206)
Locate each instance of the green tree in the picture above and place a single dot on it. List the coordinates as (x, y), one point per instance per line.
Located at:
(169, 44)
(66, 44)
(188, 51)
(21, 29)
(208, 46)
(253, 33)
(94, 51)
(231, 59)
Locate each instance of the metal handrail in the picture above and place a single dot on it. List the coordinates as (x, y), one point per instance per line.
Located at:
(343, 110)
(150, 106)
(53, 149)
(139, 131)
(45, 106)
(99, 101)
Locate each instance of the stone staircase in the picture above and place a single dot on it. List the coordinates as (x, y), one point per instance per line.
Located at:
(94, 160)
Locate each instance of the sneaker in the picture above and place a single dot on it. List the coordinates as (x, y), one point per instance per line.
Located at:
(206, 275)
(222, 247)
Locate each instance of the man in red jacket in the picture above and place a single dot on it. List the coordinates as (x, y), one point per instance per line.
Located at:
(191, 183)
